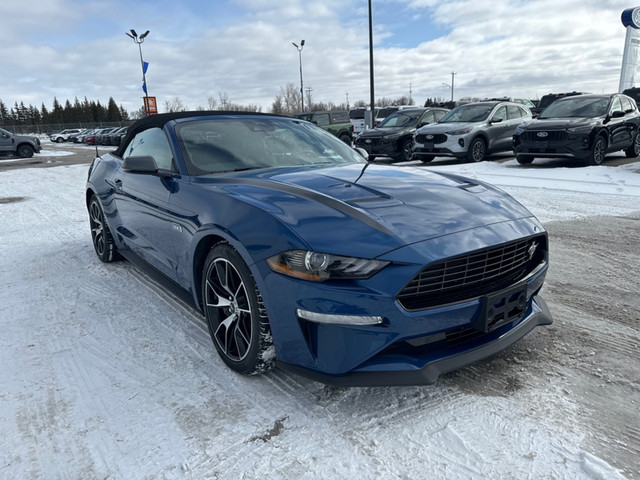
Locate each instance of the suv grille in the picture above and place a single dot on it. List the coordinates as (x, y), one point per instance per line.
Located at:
(552, 136)
(437, 138)
(474, 274)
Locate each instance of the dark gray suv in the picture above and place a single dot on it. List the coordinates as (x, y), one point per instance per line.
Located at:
(21, 145)
(471, 131)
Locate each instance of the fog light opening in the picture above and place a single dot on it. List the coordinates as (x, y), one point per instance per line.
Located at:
(461, 142)
(339, 319)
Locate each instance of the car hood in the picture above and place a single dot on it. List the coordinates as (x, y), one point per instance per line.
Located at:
(446, 127)
(369, 208)
(385, 131)
(560, 123)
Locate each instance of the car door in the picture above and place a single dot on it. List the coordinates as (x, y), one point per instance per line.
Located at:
(498, 130)
(619, 126)
(6, 141)
(142, 201)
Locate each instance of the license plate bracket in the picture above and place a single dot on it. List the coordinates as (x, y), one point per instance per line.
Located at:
(501, 308)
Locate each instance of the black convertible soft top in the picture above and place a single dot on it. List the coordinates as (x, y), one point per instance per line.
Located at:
(161, 119)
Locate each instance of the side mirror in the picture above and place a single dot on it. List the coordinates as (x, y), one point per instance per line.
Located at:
(617, 114)
(496, 120)
(363, 153)
(144, 164)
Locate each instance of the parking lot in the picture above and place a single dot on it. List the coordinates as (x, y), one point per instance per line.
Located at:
(145, 394)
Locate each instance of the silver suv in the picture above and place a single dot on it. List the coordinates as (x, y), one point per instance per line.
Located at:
(471, 132)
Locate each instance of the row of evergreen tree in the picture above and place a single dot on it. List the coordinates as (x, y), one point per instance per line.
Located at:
(76, 113)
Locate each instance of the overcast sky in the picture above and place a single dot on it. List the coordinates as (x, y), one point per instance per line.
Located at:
(243, 48)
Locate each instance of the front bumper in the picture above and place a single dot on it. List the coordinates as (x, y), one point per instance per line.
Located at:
(453, 146)
(559, 145)
(378, 147)
(409, 346)
(429, 373)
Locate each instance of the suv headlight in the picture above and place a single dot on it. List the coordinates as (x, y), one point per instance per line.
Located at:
(460, 131)
(580, 129)
(318, 267)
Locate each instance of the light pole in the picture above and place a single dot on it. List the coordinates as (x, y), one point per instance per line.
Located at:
(139, 41)
(299, 48)
(453, 74)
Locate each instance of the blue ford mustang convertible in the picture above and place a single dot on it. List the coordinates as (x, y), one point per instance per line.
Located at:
(301, 254)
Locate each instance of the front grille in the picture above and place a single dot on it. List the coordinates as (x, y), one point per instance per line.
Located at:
(437, 138)
(474, 274)
(552, 136)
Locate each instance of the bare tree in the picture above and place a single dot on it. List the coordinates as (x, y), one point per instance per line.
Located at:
(174, 105)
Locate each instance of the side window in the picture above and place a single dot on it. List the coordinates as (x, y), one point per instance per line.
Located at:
(500, 113)
(151, 142)
(439, 114)
(429, 117)
(514, 112)
(322, 120)
(627, 106)
(616, 106)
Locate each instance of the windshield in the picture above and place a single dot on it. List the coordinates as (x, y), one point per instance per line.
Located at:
(468, 113)
(577, 106)
(401, 119)
(228, 144)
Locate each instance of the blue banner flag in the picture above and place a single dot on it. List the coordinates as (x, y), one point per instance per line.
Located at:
(145, 65)
(144, 87)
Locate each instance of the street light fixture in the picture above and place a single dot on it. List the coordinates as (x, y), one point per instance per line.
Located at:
(299, 48)
(139, 40)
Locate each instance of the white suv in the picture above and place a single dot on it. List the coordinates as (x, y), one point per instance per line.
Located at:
(63, 136)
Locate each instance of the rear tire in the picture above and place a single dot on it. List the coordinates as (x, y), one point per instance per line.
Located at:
(59, 140)
(634, 149)
(103, 242)
(235, 314)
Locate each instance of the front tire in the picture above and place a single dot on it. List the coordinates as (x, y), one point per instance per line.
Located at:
(406, 150)
(103, 242)
(25, 151)
(634, 149)
(59, 140)
(522, 160)
(235, 314)
(477, 150)
(598, 151)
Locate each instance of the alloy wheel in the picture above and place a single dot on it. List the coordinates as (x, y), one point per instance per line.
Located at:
(226, 296)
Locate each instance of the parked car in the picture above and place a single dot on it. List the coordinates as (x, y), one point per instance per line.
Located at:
(299, 252)
(21, 145)
(470, 132)
(83, 136)
(586, 127)
(548, 99)
(334, 121)
(63, 136)
(91, 139)
(357, 118)
(384, 112)
(102, 137)
(74, 137)
(115, 137)
(394, 137)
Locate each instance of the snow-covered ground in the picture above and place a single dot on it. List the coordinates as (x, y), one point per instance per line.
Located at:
(105, 375)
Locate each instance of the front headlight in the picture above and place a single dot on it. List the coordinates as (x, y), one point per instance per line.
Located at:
(318, 267)
(580, 129)
(460, 131)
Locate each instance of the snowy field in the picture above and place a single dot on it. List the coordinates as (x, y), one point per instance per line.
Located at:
(106, 376)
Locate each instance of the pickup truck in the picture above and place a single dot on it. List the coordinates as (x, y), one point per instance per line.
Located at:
(334, 121)
(21, 145)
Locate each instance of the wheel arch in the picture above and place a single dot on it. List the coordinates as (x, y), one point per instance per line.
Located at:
(204, 245)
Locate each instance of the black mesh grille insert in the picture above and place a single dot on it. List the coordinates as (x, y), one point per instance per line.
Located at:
(474, 274)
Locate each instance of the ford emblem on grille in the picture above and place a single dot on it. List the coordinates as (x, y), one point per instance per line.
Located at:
(543, 134)
(429, 137)
(368, 140)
